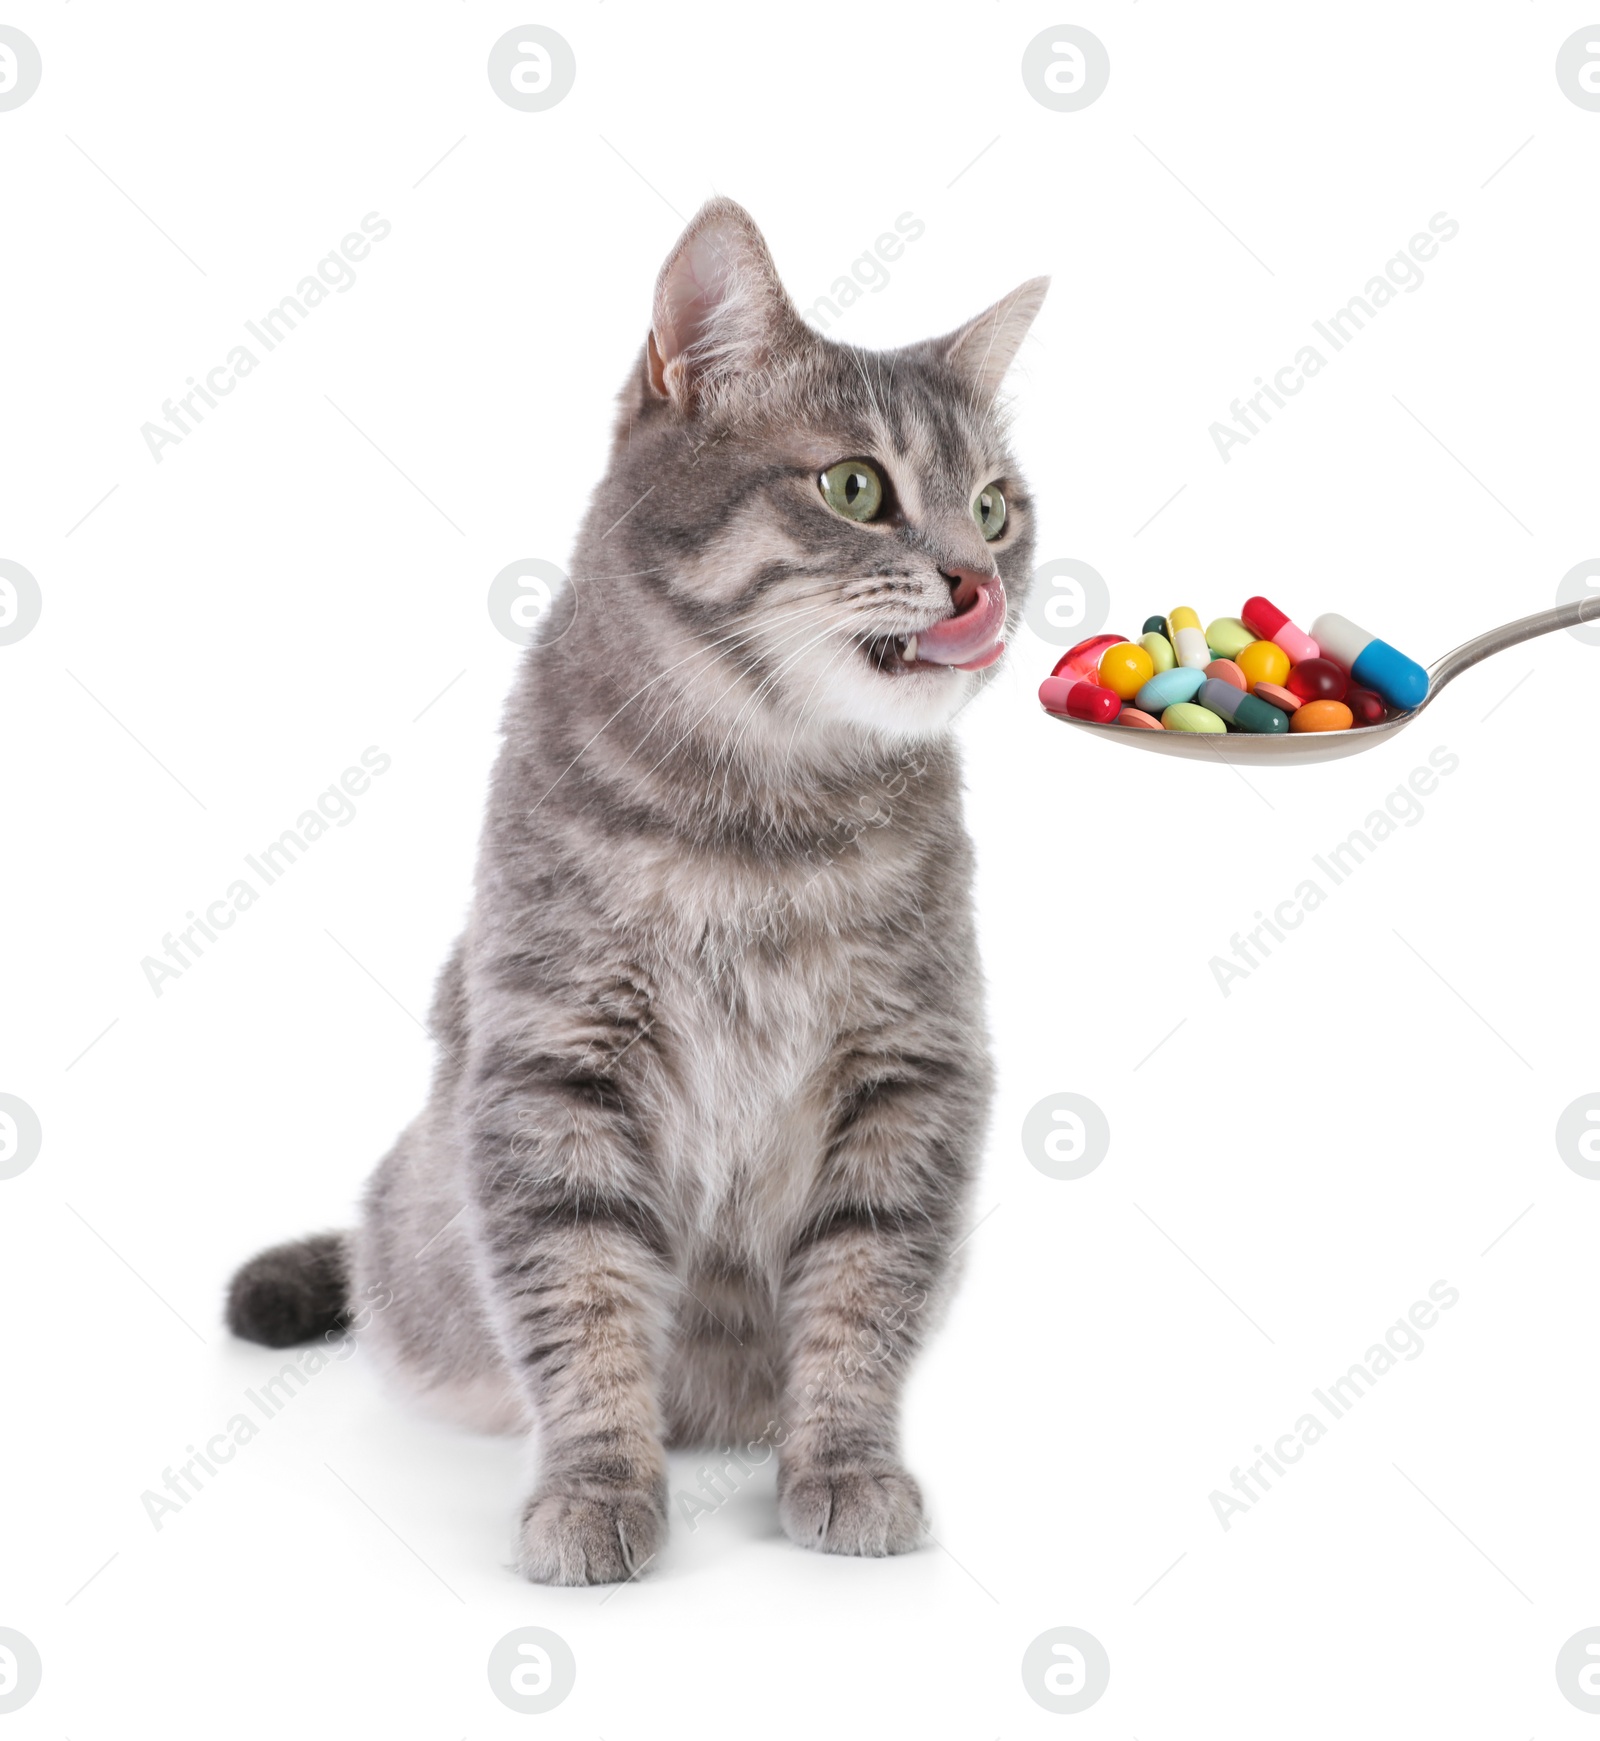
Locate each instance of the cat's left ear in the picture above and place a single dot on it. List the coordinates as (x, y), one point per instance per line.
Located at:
(721, 312)
(986, 347)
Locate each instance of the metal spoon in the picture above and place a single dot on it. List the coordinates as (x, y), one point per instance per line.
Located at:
(1280, 749)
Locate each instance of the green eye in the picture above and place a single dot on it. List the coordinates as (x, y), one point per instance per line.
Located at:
(990, 512)
(852, 488)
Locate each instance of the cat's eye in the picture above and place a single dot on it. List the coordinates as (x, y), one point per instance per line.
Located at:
(990, 512)
(852, 488)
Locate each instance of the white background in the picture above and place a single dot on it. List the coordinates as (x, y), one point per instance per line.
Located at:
(1361, 1117)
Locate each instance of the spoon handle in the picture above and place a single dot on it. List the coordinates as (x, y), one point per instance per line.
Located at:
(1566, 616)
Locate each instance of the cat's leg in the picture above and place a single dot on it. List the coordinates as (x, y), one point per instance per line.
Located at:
(573, 1254)
(864, 1281)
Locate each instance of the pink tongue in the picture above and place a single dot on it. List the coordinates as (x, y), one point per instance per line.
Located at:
(970, 640)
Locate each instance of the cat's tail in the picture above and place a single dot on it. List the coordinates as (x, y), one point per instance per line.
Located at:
(292, 1293)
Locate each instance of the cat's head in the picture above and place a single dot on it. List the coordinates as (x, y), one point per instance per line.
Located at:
(845, 531)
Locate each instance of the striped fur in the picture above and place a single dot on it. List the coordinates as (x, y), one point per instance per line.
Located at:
(712, 1075)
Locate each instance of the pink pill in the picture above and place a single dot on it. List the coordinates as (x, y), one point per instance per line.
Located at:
(1053, 693)
(1279, 696)
(1271, 624)
(1225, 671)
(1079, 700)
(1132, 716)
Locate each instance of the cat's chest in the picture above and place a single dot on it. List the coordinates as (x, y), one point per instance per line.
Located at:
(752, 1026)
(757, 977)
(752, 1035)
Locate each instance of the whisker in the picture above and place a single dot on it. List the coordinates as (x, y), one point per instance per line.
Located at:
(696, 721)
(660, 676)
(766, 685)
(731, 646)
(801, 717)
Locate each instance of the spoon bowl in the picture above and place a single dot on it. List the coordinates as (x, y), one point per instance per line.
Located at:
(1280, 749)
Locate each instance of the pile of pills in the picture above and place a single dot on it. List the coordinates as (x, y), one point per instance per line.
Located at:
(1256, 672)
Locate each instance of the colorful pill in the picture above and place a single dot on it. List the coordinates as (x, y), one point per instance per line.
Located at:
(1225, 671)
(1083, 661)
(1263, 662)
(1078, 699)
(1373, 663)
(1125, 668)
(1322, 716)
(1160, 650)
(1090, 701)
(1317, 680)
(1272, 625)
(1187, 641)
(1278, 696)
(1053, 693)
(1187, 716)
(1229, 636)
(1132, 716)
(1365, 704)
(1167, 688)
(1239, 709)
(1155, 626)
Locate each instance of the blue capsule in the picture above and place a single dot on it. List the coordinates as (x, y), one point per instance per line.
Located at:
(1167, 688)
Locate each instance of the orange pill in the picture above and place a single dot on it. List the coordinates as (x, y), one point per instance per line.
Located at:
(1279, 696)
(1225, 671)
(1322, 716)
(1263, 662)
(1132, 716)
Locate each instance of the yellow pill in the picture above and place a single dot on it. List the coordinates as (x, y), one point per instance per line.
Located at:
(1262, 662)
(1125, 669)
(1188, 643)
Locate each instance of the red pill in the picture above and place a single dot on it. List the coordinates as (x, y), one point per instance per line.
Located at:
(1084, 660)
(1133, 716)
(1365, 704)
(1262, 617)
(1318, 680)
(1090, 701)
(1079, 700)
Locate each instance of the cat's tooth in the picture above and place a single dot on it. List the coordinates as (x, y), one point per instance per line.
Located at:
(909, 651)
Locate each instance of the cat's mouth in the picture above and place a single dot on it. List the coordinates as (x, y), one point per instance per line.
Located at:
(967, 641)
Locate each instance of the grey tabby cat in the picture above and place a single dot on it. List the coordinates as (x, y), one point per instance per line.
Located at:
(712, 1078)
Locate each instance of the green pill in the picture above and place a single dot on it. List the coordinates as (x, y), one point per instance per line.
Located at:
(1227, 637)
(1243, 712)
(1254, 714)
(1191, 716)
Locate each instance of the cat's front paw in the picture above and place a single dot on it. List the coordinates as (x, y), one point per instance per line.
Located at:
(591, 1537)
(875, 1510)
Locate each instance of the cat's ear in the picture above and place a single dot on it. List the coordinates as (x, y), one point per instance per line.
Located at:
(720, 312)
(986, 347)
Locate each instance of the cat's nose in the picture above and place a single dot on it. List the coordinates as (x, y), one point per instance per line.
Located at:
(966, 583)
